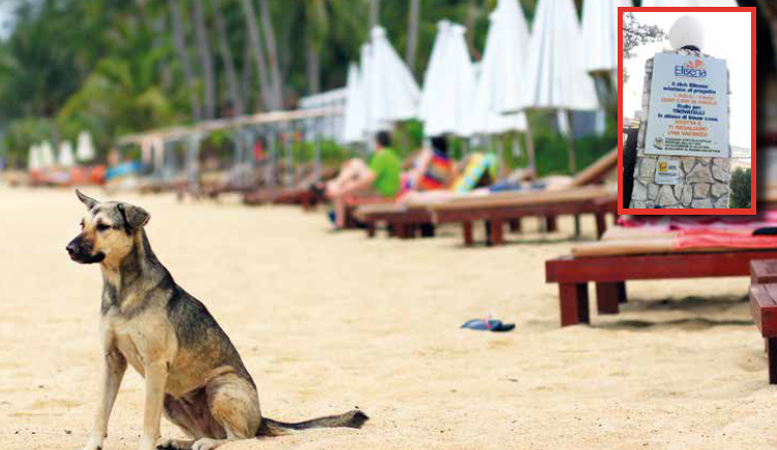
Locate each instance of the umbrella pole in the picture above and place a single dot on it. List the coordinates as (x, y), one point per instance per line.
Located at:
(572, 162)
(571, 144)
(530, 149)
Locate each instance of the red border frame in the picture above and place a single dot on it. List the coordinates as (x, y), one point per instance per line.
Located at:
(688, 211)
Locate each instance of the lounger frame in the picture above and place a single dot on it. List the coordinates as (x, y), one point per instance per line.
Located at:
(610, 273)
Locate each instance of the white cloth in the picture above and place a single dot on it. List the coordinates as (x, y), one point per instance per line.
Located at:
(600, 33)
(85, 147)
(557, 70)
(449, 84)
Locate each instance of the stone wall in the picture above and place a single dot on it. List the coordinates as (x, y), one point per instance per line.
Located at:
(704, 181)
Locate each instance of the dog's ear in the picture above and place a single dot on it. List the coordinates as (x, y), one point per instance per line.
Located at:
(134, 216)
(86, 200)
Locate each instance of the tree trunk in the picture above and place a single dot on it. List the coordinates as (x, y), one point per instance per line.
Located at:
(179, 39)
(206, 59)
(313, 66)
(412, 33)
(472, 14)
(256, 48)
(238, 105)
(374, 13)
(272, 53)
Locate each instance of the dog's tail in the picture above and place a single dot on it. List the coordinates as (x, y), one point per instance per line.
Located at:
(351, 419)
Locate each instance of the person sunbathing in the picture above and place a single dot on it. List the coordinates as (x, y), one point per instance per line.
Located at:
(380, 178)
(433, 169)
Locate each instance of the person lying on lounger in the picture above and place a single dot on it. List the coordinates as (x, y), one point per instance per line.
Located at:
(433, 169)
(380, 178)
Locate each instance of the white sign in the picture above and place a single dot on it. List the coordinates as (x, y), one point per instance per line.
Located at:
(667, 171)
(688, 107)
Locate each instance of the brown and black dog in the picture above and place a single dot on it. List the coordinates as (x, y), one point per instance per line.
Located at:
(193, 373)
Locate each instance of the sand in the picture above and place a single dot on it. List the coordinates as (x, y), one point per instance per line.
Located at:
(329, 321)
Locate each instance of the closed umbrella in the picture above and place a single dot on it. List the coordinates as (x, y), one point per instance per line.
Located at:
(33, 158)
(509, 42)
(66, 157)
(392, 92)
(46, 157)
(449, 85)
(355, 103)
(557, 71)
(600, 34)
(85, 147)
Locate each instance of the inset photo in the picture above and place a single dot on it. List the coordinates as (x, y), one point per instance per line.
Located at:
(686, 105)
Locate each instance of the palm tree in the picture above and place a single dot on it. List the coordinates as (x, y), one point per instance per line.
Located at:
(272, 55)
(258, 53)
(179, 38)
(238, 106)
(413, 20)
(206, 59)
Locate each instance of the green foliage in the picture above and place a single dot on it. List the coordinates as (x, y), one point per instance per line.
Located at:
(22, 134)
(740, 188)
(109, 66)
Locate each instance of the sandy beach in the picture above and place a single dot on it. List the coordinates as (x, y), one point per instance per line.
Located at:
(329, 321)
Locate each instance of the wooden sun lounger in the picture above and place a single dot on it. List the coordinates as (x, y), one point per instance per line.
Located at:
(403, 221)
(763, 308)
(610, 273)
(497, 209)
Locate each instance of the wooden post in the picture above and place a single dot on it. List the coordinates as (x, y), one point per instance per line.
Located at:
(551, 225)
(607, 298)
(574, 303)
(772, 345)
(601, 224)
(467, 231)
(495, 229)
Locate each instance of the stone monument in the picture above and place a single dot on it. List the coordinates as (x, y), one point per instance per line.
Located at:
(683, 151)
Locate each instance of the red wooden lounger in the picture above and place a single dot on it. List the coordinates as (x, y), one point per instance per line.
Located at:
(610, 274)
(403, 221)
(497, 209)
(763, 307)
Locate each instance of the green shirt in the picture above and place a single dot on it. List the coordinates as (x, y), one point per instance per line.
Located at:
(386, 166)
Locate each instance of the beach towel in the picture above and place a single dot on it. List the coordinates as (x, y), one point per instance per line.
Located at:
(478, 165)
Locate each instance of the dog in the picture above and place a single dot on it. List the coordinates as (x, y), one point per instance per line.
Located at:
(193, 373)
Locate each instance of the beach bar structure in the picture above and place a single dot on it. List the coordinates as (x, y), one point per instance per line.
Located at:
(272, 128)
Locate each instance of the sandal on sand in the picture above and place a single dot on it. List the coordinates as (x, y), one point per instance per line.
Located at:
(488, 325)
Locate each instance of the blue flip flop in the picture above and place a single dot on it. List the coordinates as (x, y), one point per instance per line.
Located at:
(488, 325)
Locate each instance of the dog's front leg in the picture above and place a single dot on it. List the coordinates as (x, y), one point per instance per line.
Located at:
(156, 378)
(114, 366)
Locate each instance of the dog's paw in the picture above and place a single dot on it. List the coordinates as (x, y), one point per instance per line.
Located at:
(172, 444)
(206, 444)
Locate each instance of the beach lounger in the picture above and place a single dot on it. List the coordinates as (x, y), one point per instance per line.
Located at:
(409, 217)
(763, 308)
(498, 209)
(610, 263)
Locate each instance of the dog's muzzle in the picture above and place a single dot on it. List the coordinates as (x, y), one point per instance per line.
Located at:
(81, 252)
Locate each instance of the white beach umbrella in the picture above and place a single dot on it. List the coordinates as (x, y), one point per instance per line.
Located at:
(689, 3)
(392, 92)
(483, 118)
(355, 103)
(509, 42)
(33, 158)
(600, 34)
(557, 73)
(85, 147)
(449, 84)
(66, 158)
(46, 155)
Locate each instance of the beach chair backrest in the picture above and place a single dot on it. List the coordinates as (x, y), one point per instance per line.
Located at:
(598, 171)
